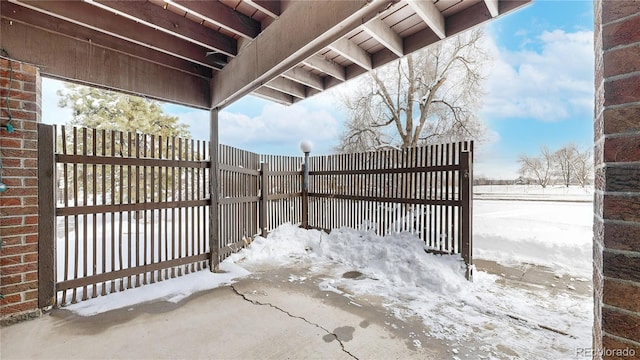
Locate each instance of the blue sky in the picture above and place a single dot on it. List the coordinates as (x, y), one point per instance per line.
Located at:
(541, 88)
(539, 91)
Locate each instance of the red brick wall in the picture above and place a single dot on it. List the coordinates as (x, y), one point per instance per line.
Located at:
(616, 243)
(19, 203)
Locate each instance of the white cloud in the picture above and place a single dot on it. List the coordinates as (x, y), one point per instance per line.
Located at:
(280, 128)
(491, 162)
(550, 83)
(198, 121)
(277, 129)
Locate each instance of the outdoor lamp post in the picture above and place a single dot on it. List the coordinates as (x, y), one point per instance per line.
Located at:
(305, 147)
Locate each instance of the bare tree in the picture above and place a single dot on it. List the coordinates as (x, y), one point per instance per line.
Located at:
(565, 160)
(428, 97)
(539, 168)
(583, 167)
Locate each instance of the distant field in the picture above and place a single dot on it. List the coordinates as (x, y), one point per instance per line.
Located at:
(533, 192)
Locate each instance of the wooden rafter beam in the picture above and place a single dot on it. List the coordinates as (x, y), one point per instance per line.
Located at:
(220, 15)
(304, 77)
(330, 68)
(430, 14)
(493, 7)
(280, 48)
(269, 7)
(353, 52)
(478, 14)
(32, 18)
(473, 15)
(171, 23)
(383, 34)
(274, 95)
(288, 87)
(78, 60)
(85, 14)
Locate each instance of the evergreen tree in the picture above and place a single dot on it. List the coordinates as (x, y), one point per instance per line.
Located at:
(128, 122)
(102, 109)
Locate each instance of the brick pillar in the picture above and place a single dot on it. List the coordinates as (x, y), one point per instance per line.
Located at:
(616, 245)
(19, 203)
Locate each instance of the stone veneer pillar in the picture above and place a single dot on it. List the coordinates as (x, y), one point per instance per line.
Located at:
(616, 245)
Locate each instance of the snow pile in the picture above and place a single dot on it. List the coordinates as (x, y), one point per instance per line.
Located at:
(397, 261)
(432, 287)
(396, 267)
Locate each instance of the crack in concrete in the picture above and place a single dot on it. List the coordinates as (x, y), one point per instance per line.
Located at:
(254, 302)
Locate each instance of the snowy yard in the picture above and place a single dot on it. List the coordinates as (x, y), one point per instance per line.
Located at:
(488, 318)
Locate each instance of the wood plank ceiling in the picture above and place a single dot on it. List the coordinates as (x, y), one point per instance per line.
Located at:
(302, 47)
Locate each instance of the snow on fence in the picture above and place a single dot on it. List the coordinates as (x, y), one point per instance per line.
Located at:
(425, 190)
(129, 209)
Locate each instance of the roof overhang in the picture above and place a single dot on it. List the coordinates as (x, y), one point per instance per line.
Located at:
(208, 54)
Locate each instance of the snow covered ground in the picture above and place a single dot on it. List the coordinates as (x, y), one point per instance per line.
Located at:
(488, 318)
(549, 233)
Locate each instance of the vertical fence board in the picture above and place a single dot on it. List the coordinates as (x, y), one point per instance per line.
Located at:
(104, 216)
(467, 212)
(46, 216)
(214, 176)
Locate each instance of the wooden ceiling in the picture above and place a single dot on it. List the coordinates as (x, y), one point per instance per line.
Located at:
(210, 53)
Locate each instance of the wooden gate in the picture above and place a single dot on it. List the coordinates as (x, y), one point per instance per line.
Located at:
(130, 209)
(239, 198)
(282, 191)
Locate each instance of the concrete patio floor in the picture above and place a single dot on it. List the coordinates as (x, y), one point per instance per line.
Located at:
(265, 316)
(275, 313)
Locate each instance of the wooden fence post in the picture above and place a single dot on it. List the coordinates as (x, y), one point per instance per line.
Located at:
(305, 193)
(264, 197)
(466, 247)
(214, 219)
(46, 216)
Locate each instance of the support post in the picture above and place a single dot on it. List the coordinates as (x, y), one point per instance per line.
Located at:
(305, 191)
(214, 177)
(46, 216)
(264, 197)
(466, 248)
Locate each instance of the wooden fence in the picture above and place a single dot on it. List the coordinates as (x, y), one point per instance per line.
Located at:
(239, 198)
(282, 195)
(131, 209)
(423, 190)
(258, 193)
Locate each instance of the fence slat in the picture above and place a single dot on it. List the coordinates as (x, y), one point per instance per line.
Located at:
(47, 220)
